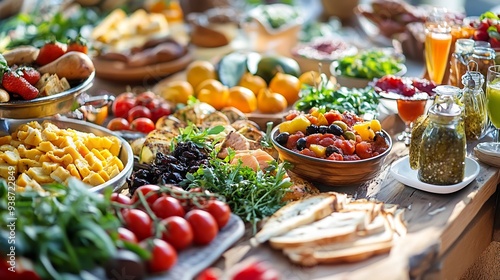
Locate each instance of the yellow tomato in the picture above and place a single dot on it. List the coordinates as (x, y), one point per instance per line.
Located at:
(311, 78)
(214, 93)
(270, 102)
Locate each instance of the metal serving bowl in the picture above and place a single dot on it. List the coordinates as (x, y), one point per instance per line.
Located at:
(331, 172)
(40, 107)
(8, 126)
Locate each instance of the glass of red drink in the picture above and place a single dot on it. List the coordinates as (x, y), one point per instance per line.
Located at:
(409, 109)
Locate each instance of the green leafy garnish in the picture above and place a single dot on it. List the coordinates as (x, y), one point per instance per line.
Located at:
(359, 101)
(369, 65)
(250, 195)
(489, 15)
(202, 138)
(65, 230)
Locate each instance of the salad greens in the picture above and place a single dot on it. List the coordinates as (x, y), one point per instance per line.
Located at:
(35, 29)
(369, 64)
(64, 231)
(250, 195)
(359, 101)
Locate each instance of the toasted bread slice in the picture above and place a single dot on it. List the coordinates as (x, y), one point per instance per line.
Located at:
(298, 213)
(357, 249)
(335, 227)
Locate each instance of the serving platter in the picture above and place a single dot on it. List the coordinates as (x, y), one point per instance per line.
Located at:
(45, 106)
(118, 70)
(194, 260)
(402, 172)
(8, 126)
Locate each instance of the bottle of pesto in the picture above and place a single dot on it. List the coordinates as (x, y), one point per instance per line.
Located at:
(473, 98)
(443, 146)
(443, 94)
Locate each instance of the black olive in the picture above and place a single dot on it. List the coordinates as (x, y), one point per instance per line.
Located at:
(332, 149)
(312, 129)
(323, 129)
(335, 130)
(282, 138)
(301, 144)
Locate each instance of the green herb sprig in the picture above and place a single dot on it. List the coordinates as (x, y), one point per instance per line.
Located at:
(202, 138)
(250, 195)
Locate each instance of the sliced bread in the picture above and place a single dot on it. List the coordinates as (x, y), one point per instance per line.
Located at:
(335, 227)
(298, 213)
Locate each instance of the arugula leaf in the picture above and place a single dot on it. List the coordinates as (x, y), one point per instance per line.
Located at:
(199, 137)
(250, 195)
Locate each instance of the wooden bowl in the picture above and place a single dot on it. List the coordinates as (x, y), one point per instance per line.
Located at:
(329, 172)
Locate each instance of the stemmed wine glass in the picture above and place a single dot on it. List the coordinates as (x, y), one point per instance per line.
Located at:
(409, 109)
(493, 97)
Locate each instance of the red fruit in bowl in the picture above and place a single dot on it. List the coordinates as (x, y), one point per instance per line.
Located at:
(480, 35)
(495, 43)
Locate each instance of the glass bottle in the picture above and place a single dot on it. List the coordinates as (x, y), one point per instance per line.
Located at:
(444, 93)
(443, 146)
(473, 98)
(458, 60)
(484, 57)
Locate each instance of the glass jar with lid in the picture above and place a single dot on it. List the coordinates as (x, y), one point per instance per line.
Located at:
(459, 59)
(444, 93)
(473, 98)
(443, 147)
(484, 57)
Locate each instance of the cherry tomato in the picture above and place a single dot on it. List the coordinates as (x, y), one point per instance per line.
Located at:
(166, 206)
(163, 256)
(220, 211)
(138, 112)
(122, 104)
(254, 269)
(211, 273)
(120, 198)
(118, 124)
(204, 226)
(163, 109)
(152, 103)
(145, 190)
(178, 232)
(126, 235)
(145, 97)
(143, 125)
(138, 222)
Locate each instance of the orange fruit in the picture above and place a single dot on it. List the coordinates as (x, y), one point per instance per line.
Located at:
(269, 102)
(214, 93)
(242, 99)
(311, 78)
(177, 92)
(199, 71)
(286, 85)
(253, 82)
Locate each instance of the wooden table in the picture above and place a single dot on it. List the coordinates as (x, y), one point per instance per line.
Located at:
(446, 233)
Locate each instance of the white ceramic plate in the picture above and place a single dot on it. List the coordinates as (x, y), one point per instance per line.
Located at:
(402, 172)
(489, 148)
(192, 261)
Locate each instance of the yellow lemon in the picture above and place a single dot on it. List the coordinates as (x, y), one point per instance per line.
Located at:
(286, 85)
(177, 92)
(253, 82)
(242, 99)
(199, 71)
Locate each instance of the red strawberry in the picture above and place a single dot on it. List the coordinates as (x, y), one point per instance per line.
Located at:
(50, 52)
(14, 83)
(79, 44)
(29, 74)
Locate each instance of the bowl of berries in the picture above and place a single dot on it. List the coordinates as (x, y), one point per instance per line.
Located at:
(391, 88)
(332, 148)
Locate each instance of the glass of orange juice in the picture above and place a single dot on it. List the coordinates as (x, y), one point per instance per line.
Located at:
(438, 40)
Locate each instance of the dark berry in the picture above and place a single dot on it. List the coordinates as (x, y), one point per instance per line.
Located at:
(323, 129)
(282, 138)
(301, 144)
(312, 129)
(335, 130)
(332, 149)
